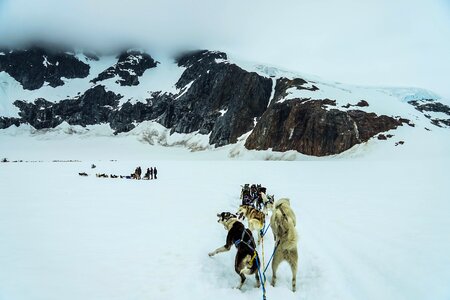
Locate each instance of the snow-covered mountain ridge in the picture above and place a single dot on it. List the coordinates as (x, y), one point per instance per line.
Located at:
(209, 95)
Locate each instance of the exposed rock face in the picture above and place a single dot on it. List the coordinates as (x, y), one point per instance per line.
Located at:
(32, 68)
(93, 107)
(308, 127)
(361, 103)
(219, 97)
(130, 66)
(215, 97)
(369, 124)
(283, 84)
(430, 105)
(122, 120)
(6, 122)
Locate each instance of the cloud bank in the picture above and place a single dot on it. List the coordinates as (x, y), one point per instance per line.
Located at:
(394, 43)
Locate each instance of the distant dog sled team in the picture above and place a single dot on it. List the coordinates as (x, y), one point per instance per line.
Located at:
(255, 207)
(150, 174)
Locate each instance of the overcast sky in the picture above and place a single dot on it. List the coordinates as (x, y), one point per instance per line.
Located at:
(371, 42)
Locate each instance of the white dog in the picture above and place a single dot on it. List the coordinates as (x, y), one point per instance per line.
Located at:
(283, 225)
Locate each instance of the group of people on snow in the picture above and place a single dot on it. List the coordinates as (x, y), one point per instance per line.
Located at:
(151, 173)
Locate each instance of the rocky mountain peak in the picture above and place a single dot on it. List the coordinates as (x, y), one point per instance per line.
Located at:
(129, 67)
(36, 66)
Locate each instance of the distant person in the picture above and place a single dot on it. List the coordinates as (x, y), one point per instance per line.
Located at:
(137, 173)
(155, 172)
(151, 173)
(147, 174)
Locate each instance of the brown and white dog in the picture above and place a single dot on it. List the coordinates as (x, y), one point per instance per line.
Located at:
(255, 218)
(283, 224)
(244, 263)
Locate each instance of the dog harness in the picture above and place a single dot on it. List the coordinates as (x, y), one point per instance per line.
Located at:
(255, 254)
(236, 243)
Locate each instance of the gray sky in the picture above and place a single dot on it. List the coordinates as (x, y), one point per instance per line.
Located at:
(371, 42)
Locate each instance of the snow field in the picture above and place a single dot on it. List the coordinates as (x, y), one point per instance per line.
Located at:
(367, 230)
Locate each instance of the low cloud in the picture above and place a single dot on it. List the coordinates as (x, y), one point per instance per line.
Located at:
(369, 42)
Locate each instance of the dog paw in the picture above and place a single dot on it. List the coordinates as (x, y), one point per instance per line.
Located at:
(211, 254)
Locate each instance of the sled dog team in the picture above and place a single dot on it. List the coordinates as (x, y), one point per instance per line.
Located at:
(256, 205)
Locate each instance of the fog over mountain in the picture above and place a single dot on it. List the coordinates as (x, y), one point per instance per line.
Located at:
(401, 43)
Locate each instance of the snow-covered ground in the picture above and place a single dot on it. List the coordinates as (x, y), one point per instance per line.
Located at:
(373, 223)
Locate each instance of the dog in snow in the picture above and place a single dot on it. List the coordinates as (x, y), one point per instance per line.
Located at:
(246, 260)
(283, 224)
(265, 202)
(255, 218)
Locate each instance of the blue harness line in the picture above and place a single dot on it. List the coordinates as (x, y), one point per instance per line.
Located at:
(273, 253)
(261, 279)
(264, 231)
(262, 275)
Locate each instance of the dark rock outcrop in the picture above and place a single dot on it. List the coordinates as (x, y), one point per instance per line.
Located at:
(370, 124)
(6, 122)
(129, 67)
(217, 97)
(361, 103)
(93, 107)
(283, 84)
(121, 120)
(431, 105)
(32, 68)
(384, 137)
(310, 128)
